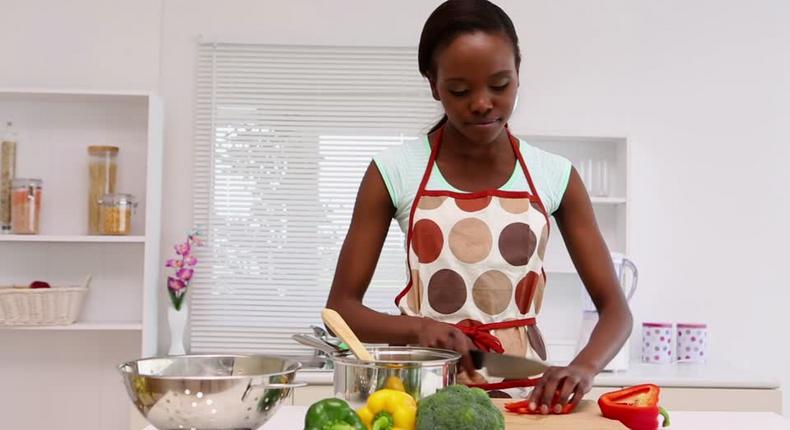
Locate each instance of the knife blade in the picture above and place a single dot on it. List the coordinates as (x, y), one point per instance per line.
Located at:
(507, 366)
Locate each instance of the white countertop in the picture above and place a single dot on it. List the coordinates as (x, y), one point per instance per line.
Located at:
(292, 417)
(711, 375)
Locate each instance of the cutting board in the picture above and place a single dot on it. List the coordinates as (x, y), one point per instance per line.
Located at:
(587, 416)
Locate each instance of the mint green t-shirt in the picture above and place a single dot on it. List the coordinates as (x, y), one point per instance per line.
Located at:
(402, 168)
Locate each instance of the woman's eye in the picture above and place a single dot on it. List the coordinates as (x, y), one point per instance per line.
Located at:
(500, 87)
(458, 93)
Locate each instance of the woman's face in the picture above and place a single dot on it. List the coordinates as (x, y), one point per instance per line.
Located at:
(477, 82)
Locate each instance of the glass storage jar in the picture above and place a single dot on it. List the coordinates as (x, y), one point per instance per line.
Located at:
(25, 205)
(115, 214)
(103, 170)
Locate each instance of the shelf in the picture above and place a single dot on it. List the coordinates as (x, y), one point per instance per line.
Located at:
(607, 200)
(81, 326)
(71, 238)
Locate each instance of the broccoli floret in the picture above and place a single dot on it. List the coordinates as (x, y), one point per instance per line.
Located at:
(459, 407)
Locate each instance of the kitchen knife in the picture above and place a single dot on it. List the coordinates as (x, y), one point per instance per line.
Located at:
(507, 366)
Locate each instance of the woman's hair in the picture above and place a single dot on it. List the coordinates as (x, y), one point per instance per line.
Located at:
(453, 18)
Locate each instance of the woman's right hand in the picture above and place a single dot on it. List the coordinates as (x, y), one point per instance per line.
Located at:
(436, 334)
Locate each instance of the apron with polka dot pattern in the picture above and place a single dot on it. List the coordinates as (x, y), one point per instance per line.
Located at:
(476, 261)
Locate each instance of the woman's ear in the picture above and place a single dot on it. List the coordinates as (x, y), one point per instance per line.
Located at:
(434, 91)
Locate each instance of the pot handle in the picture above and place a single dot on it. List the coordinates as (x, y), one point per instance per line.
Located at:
(250, 386)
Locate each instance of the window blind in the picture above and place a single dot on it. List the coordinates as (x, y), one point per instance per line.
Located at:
(283, 135)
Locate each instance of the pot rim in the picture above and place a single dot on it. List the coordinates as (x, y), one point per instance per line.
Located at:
(443, 356)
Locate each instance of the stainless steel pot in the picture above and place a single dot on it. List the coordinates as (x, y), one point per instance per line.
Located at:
(422, 371)
(208, 392)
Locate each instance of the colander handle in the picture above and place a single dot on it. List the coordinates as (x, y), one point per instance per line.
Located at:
(250, 386)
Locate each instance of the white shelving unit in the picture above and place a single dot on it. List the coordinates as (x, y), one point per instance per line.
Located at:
(561, 315)
(118, 321)
(611, 211)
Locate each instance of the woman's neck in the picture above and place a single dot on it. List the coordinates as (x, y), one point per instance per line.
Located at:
(456, 145)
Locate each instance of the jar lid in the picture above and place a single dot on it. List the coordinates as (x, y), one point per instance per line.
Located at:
(116, 199)
(99, 150)
(26, 182)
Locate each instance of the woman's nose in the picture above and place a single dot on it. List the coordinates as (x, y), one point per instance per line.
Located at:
(481, 103)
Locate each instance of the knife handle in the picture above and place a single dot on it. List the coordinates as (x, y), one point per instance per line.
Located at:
(477, 358)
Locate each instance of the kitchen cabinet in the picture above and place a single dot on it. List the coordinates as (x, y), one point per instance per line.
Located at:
(71, 369)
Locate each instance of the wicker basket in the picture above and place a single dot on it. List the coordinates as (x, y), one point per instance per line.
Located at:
(41, 306)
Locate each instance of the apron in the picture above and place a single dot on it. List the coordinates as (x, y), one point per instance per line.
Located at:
(476, 260)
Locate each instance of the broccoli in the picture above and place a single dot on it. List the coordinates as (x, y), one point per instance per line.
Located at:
(459, 407)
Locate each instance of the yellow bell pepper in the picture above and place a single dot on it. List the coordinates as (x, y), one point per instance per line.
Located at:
(394, 383)
(389, 409)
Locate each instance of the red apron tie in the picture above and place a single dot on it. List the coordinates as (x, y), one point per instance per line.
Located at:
(481, 333)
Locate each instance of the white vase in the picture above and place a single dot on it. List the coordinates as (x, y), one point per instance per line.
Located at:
(177, 320)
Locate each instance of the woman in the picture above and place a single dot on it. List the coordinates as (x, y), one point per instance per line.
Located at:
(474, 202)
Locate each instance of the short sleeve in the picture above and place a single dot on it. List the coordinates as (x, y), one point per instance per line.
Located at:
(550, 172)
(401, 168)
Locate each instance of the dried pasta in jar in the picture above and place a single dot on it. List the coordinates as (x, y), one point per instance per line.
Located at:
(115, 214)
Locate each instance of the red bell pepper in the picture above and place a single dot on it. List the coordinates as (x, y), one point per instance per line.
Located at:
(636, 407)
(522, 407)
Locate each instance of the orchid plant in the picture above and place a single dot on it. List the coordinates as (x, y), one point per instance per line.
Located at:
(183, 267)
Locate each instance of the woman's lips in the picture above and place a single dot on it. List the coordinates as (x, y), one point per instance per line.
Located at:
(485, 124)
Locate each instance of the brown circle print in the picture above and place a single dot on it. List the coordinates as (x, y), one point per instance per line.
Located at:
(525, 291)
(514, 206)
(492, 292)
(544, 240)
(473, 205)
(446, 291)
(517, 243)
(427, 240)
(470, 240)
(431, 202)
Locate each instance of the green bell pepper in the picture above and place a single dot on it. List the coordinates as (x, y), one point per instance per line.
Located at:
(332, 414)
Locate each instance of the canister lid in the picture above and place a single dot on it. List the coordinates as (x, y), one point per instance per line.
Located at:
(26, 182)
(116, 199)
(101, 150)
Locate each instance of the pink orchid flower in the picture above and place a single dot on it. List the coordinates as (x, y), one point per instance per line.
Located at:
(185, 275)
(176, 285)
(183, 249)
(174, 263)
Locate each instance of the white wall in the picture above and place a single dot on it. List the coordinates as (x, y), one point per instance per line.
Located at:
(80, 44)
(701, 88)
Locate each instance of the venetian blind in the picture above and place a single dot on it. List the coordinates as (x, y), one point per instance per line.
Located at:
(283, 137)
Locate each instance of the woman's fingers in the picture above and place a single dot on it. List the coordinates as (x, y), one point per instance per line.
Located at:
(568, 386)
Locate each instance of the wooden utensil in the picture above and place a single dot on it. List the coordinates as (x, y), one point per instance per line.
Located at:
(335, 322)
(587, 416)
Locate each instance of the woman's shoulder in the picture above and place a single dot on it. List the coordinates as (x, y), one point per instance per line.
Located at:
(549, 171)
(409, 149)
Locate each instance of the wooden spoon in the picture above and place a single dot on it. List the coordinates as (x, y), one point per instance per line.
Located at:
(335, 322)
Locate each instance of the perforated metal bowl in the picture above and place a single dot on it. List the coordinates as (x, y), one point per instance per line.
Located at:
(209, 392)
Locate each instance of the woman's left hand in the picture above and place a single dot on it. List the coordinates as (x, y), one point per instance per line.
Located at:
(561, 386)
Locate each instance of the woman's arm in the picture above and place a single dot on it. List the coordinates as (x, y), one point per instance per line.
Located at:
(356, 264)
(576, 220)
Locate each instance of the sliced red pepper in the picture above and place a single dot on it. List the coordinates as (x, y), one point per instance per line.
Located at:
(522, 407)
(636, 407)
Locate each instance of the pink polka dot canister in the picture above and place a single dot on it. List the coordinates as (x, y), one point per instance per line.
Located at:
(692, 340)
(658, 342)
